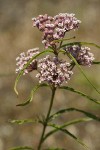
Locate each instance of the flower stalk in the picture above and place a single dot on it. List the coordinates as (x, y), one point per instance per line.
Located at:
(47, 119)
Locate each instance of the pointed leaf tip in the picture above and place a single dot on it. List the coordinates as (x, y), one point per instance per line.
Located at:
(15, 90)
(26, 65)
(32, 94)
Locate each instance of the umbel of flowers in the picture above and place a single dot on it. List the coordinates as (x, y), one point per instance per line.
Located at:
(52, 69)
(54, 28)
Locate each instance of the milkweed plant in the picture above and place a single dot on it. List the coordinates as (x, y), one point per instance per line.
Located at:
(55, 72)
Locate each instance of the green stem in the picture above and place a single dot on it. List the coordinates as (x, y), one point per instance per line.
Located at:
(47, 119)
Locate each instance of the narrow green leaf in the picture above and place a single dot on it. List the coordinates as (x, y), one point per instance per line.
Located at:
(22, 148)
(24, 121)
(70, 134)
(80, 93)
(81, 43)
(30, 97)
(75, 138)
(32, 94)
(65, 125)
(55, 149)
(64, 39)
(88, 114)
(94, 62)
(28, 63)
(81, 70)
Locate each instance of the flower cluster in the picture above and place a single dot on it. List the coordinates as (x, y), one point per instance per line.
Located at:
(81, 54)
(53, 71)
(24, 58)
(54, 28)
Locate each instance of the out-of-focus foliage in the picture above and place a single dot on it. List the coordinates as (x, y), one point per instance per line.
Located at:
(17, 35)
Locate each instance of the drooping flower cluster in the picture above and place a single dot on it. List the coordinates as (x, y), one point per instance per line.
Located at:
(53, 71)
(54, 28)
(24, 58)
(81, 54)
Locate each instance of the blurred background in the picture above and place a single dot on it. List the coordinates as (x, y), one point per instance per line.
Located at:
(18, 35)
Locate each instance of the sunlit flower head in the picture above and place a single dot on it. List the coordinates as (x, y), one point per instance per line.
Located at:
(53, 71)
(81, 54)
(23, 59)
(54, 28)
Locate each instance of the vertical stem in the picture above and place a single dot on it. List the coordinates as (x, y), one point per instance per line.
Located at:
(47, 117)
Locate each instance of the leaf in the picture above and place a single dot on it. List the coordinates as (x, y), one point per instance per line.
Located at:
(81, 43)
(81, 70)
(64, 39)
(55, 149)
(28, 63)
(65, 125)
(94, 62)
(32, 93)
(80, 93)
(88, 114)
(75, 138)
(24, 121)
(71, 135)
(22, 148)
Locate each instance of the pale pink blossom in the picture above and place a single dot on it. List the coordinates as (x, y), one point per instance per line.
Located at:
(81, 54)
(53, 71)
(24, 58)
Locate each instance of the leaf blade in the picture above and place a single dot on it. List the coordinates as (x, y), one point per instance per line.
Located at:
(81, 70)
(28, 63)
(20, 122)
(80, 93)
(22, 148)
(81, 43)
(71, 135)
(88, 114)
(96, 63)
(32, 94)
(65, 125)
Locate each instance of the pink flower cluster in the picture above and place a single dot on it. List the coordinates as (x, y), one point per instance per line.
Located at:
(81, 54)
(53, 71)
(54, 28)
(24, 58)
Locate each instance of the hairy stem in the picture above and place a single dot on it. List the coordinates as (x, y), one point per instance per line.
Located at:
(47, 119)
